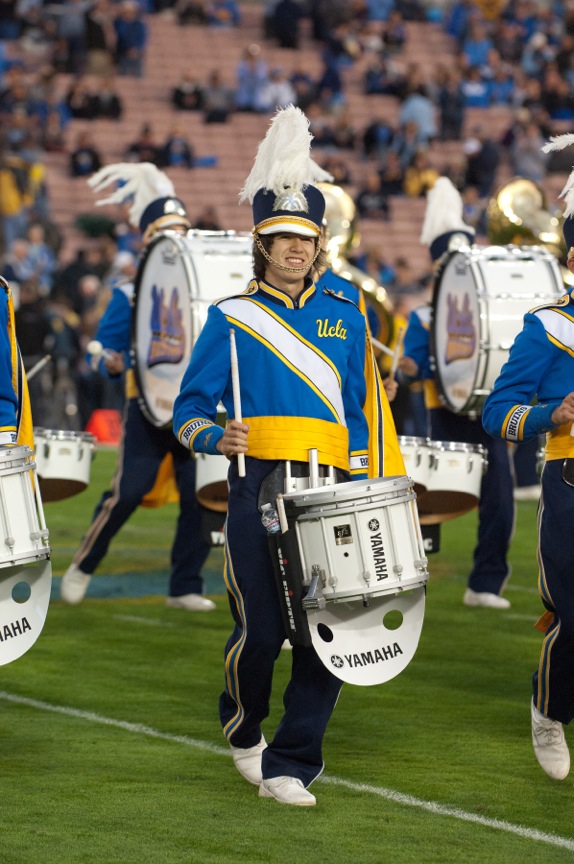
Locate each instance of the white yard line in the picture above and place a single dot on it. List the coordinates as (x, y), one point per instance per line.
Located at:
(380, 791)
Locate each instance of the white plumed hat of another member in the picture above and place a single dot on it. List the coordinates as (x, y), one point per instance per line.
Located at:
(559, 142)
(153, 204)
(280, 185)
(443, 219)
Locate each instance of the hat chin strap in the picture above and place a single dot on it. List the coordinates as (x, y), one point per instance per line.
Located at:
(267, 256)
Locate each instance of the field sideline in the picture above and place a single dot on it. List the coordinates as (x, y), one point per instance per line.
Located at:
(112, 750)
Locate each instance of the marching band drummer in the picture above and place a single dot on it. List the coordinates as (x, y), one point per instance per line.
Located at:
(533, 394)
(150, 459)
(15, 412)
(490, 570)
(301, 359)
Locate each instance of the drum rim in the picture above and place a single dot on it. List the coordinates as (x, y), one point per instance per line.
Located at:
(321, 495)
(456, 446)
(64, 435)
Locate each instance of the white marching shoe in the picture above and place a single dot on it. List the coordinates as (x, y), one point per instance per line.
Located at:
(191, 602)
(248, 761)
(287, 790)
(485, 598)
(74, 585)
(550, 747)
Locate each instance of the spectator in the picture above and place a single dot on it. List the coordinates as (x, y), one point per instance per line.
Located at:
(79, 99)
(190, 12)
(251, 75)
(131, 39)
(338, 169)
(222, 13)
(557, 100)
(35, 339)
(218, 99)
(85, 159)
(320, 126)
(475, 89)
(406, 142)
(483, 157)
(419, 108)
(382, 76)
(277, 93)
(286, 23)
(71, 31)
(18, 267)
(343, 131)
(371, 202)
(501, 87)
(377, 138)
(394, 33)
(144, 148)
(41, 256)
(207, 220)
(452, 107)
(15, 197)
(477, 45)
(527, 157)
(107, 104)
(392, 175)
(420, 176)
(303, 85)
(177, 152)
(100, 38)
(187, 94)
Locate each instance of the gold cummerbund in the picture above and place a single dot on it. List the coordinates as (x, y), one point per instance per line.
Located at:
(560, 443)
(293, 437)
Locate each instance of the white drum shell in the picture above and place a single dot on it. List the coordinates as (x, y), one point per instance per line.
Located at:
(211, 489)
(480, 299)
(23, 532)
(186, 274)
(63, 461)
(454, 481)
(22, 620)
(364, 536)
(416, 453)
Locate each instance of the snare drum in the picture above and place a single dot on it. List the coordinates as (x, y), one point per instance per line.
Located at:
(480, 298)
(211, 488)
(363, 536)
(416, 454)
(177, 280)
(363, 561)
(456, 471)
(63, 462)
(23, 532)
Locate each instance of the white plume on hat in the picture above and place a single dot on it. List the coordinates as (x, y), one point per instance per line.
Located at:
(559, 142)
(141, 180)
(283, 159)
(443, 211)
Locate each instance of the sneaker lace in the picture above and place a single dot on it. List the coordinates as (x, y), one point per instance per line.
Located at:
(548, 736)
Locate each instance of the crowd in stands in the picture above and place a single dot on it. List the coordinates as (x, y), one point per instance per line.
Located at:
(64, 61)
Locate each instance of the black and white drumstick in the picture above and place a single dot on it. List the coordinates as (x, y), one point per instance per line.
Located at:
(236, 396)
(39, 365)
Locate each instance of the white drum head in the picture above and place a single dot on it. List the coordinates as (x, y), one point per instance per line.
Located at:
(177, 280)
(24, 599)
(479, 303)
(371, 645)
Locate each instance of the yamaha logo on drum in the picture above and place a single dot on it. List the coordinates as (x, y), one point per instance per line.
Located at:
(337, 661)
(368, 658)
(374, 525)
(378, 551)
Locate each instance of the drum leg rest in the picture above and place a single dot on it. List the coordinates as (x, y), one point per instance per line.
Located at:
(284, 551)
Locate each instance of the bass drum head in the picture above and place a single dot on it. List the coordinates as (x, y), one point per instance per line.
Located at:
(455, 342)
(161, 326)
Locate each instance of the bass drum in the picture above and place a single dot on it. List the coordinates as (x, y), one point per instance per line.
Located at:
(178, 278)
(480, 298)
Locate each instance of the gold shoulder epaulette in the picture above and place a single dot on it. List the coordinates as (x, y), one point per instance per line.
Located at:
(562, 301)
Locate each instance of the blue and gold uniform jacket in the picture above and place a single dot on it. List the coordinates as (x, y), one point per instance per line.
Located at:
(416, 344)
(114, 332)
(537, 376)
(302, 379)
(15, 413)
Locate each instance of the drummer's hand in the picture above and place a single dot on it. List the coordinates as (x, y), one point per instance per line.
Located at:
(391, 386)
(408, 366)
(114, 362)
(565, 411)
(234, 439)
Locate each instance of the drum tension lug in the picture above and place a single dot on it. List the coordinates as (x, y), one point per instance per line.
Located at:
(310, 600)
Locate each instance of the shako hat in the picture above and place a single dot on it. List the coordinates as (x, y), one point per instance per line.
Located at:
(280, 186)
(443, 225)
(153, 204)
(559, 142)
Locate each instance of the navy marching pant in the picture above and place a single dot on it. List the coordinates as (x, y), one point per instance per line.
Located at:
(496, 509)
(142, 450)
(553, 681)
(254, 645)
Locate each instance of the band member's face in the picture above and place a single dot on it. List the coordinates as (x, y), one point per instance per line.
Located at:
(290, 252)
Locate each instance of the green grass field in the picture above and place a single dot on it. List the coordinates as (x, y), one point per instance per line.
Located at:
(111, 750)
